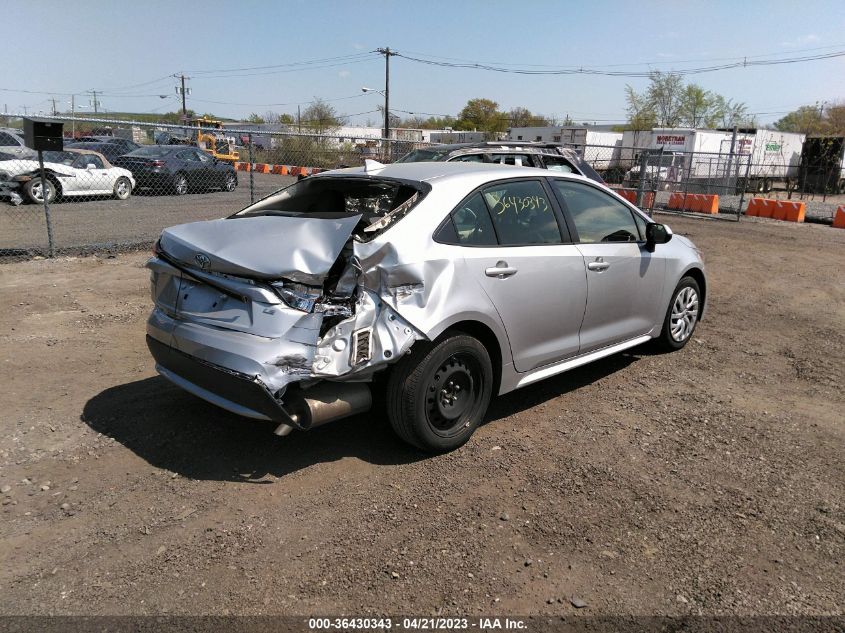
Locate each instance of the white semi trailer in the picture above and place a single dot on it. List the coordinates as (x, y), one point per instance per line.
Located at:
(760, 159)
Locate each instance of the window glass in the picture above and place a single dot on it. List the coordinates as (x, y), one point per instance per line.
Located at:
(520, 160)
(641, 223)
(597, 216)
(89, 159)
(522, 214)
(203, 157)
(7, 139)
(558, 163)
(469, 158)
(472, 223)
(187, 155)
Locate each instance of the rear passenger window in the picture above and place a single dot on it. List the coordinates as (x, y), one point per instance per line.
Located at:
(522, 214)
(598, 216)
(469, 158)
(472, 223)
(519, 160)
(558, 163)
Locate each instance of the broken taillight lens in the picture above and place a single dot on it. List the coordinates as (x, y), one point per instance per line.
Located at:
(297, 296)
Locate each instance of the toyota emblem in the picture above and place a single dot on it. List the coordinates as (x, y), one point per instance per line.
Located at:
(202, 260)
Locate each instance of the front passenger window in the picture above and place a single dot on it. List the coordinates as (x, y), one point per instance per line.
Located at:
(598, 217)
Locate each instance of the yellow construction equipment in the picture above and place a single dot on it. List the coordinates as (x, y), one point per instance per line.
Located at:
(210, 137)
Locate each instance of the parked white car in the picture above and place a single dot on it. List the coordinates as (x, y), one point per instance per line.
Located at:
(70, 173)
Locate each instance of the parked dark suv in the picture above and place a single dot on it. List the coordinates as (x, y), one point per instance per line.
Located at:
(519, 153)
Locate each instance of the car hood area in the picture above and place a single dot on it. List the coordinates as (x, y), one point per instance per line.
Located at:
(300, 249)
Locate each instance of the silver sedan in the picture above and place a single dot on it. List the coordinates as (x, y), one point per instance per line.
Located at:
(433, 285)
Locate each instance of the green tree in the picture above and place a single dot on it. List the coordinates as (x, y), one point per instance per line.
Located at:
(483, 115)
(696, 107)
(321, 117)
(523, 117)
(255, 118)
(804, 120)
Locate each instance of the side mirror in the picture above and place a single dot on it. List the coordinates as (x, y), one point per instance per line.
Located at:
(656, 234)
(90, 166)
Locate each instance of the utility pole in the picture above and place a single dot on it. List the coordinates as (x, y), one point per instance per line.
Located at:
(184, 92)
(94, 103)
(387, 54)
(298, 119)
(55, 112)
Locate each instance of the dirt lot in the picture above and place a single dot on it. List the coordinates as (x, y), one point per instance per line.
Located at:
(705, 481)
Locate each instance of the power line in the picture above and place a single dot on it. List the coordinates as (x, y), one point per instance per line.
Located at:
(368, 55)
(650, 64)
(740, 63)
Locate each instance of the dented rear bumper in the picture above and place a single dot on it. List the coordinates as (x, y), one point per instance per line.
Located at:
(231, 390)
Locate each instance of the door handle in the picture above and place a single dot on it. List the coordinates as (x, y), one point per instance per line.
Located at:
(500, 270)
(598, 265)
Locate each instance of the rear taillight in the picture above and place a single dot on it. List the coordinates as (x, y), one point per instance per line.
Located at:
(157, 163)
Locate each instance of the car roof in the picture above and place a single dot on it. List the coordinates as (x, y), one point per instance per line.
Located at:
(498, 145)
(428, 171)
(79, 150)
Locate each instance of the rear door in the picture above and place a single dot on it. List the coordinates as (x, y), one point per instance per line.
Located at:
(518, 249)
(624, 280)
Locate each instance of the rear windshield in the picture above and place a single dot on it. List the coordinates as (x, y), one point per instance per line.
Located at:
(379, 201)
(150, 150)
(424, 156)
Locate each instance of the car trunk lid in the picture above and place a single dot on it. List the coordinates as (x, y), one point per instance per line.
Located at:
(298, 248)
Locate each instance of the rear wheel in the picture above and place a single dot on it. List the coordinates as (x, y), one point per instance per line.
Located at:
(438, 395)
(681, 316)
(36, 192)
(122, 188)
(230, 182)
(180, 184)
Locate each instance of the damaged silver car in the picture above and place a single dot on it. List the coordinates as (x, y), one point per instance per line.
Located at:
(432, 285)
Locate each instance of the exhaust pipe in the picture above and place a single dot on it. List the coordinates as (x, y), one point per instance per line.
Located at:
(326, 402)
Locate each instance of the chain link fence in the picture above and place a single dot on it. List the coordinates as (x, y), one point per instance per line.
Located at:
(117, 184)
(677, 181)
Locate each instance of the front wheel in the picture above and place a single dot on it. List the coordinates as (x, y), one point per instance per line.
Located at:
(682, 315)
(122, 188)
(438, 395)
(35, 191)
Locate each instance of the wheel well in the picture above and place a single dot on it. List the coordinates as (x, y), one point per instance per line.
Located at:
(478, 330)
(696, 274)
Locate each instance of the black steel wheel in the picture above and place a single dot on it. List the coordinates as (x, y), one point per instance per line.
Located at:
(438, 395)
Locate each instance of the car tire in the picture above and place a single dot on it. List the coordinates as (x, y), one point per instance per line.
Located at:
(230, 182)
(122, 188)
(32, 188)
(180, 184)
(438, 394)
(682, 316)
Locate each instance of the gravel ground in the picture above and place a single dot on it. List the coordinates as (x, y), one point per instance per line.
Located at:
(708, 481)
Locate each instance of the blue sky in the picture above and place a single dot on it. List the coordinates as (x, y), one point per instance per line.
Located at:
(128, 49)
